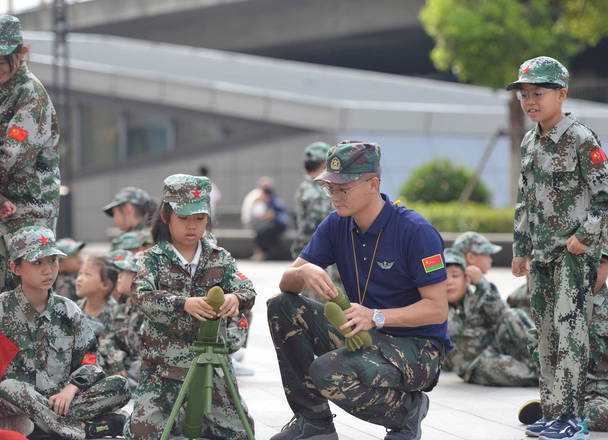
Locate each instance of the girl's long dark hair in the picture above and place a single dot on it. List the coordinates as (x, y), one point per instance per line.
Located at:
(107, 271)
(160, 229)
(12, 59)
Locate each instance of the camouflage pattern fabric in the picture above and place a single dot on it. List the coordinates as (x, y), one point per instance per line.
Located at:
(187, 194)
(130, 240)
(104, 396)
(117, 242)
(596, 391)
(65, 285)
(541, 70)
(57, 347)
(492, 343)
(29, 152)
(476, 243)
(10, 34)
(69, 246)
(562, 301)
(131, 194)
(121, 347)
(312, 206)
(349, 160)
(563, 190)
(101, 323)
(377, 384)
(162, 286)
(520, 299)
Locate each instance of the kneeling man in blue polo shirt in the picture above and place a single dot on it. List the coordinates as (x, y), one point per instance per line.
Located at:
(391, 263)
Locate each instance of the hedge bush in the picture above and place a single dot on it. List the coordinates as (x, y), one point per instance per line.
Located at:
(442, 181)
(456, 217)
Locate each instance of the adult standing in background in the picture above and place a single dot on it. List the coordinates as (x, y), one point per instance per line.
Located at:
(29, 152)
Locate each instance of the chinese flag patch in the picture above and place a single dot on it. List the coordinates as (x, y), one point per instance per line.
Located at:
(17, 133)
(89, 359)
(243, 323)
(8, 350)
(433, 263)
(241, 276)
(598, 156)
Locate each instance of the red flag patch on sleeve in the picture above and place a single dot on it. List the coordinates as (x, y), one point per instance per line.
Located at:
(432, 263)
(8, 351)
(89, 359)
(598, 156)
(17, 133)
(241, 276)
(244, 322)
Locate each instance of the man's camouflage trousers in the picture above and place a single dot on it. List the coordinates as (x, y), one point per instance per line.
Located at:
(377, 384)
(562, 300)
(508, 361)
(154, 399)
(107, 395)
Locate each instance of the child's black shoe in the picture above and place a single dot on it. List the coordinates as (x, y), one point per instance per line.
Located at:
(107, 425)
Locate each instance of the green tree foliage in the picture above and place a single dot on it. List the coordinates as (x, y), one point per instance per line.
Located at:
(484, 41)
(441, 181)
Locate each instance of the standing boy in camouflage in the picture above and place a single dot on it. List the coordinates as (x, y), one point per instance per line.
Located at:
(51, 374)
(561, 210)
(390, 260)
(29, 134)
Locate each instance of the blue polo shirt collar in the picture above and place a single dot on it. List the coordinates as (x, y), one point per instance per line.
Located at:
(380, 222)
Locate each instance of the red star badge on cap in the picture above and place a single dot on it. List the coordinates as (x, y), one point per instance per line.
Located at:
(120, 258)
(197, 194)
(43, 239)
(526, 70)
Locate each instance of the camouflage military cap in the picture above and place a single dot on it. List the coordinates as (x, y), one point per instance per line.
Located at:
(130, 263)
(453, 256)
(10, 34)
(187, 194)
(349, 160)
(69, 246)
(317, 152)
(131, 194)
(476, 243)
(117, 255)
(129, 240)
(541, 70)
(31, 243)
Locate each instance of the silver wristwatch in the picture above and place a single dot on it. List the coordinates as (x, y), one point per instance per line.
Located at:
(378, 319)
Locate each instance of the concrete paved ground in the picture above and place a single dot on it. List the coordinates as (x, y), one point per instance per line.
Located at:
(457, 411)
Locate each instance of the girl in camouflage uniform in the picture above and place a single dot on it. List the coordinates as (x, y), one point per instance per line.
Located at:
(171, 289)
(49, 369)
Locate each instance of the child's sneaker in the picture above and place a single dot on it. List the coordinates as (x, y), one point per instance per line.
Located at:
(569, 429)
(530, 412)
(539, 426)
(107, 425)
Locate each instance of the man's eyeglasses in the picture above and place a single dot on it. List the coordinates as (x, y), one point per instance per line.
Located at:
(525, 95)
(342, 193)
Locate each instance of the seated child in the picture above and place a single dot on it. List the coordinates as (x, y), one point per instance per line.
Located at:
(69, 266)
(171, 290)
(51, 373)
(477, 250)
(491, 341)
(121, 346)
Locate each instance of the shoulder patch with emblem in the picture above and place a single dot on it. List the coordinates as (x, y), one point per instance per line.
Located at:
(17, 133)
(598, 156)
(432, 263)
(241, 276)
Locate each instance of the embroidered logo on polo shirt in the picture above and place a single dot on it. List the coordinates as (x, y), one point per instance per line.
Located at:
(432, 263)
(386, 265)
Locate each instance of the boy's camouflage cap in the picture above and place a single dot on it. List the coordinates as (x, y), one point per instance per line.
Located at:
(129, 240)
(187, 194)
(131, 194)
(69, 246)
(10, 34)
(31, 243)
(476, 243)
(317, 152)
(541, 70)
(453, 256)
(131, 262)
(349, 160)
